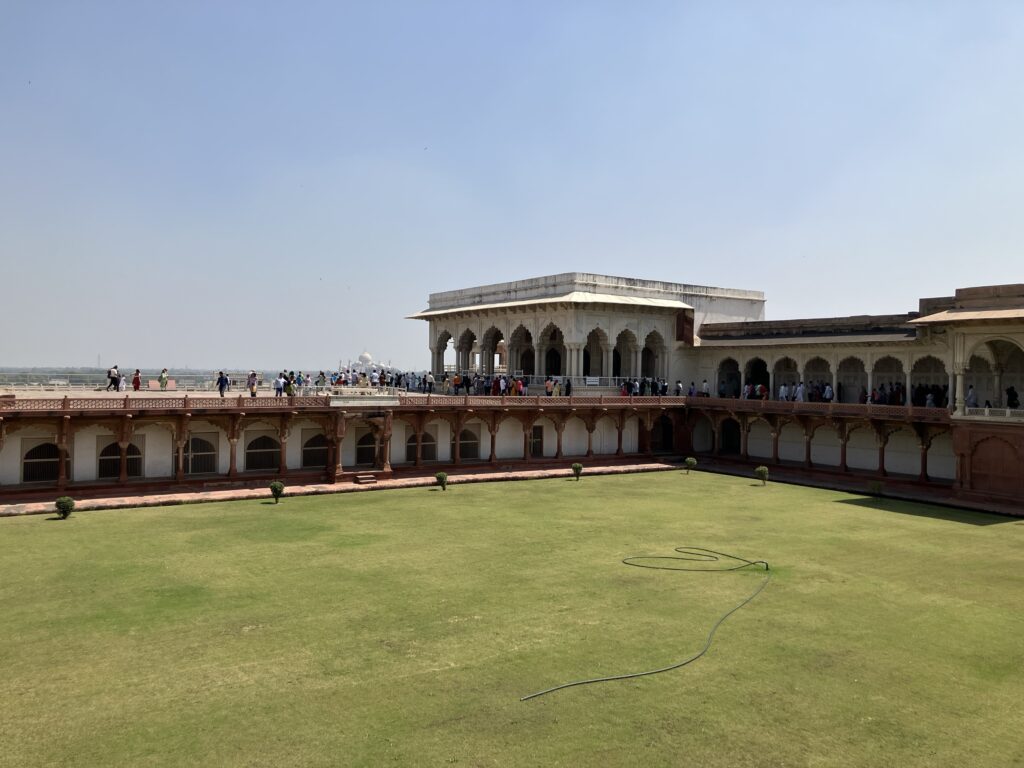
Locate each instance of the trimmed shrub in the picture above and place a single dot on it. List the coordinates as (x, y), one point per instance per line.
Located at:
(691, 463)
(277, 490)
(64, 506)
(762, 474)
(577, 470)
(442, 480)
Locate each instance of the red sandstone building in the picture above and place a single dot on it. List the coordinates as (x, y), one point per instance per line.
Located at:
(964, 445)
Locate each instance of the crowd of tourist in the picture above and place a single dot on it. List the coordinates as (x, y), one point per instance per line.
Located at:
(886, 393)
(291, 383)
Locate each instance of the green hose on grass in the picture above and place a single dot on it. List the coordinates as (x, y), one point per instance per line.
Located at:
(686, 554)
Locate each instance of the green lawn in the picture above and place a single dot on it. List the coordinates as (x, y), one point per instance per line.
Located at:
(402, 627)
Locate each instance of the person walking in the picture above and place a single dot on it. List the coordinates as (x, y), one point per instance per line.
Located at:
(137, 380)
(163, 379)
(251, 382)
(113, 378)
(222, 382)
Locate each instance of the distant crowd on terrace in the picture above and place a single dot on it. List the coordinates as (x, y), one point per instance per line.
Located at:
(291, 383)
(893, 393)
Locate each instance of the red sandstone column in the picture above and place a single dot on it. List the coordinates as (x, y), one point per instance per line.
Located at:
(386, 452)
(419, 448)
(743, 442)
(180, 473)
(775, 447)
(881, 458)
(619, 428)
(526, 443)
(923, 476)
(842, 454)
(62, 466)
(494, 442)
(807, 449)
(558, 451)
(233, 462)
(590, 442)
(332, 466)
(122, 475)
(282, 468)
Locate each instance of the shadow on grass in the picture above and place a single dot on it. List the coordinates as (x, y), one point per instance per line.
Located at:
(950, 514)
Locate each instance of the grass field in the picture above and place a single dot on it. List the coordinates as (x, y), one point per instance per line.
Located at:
(401, 628)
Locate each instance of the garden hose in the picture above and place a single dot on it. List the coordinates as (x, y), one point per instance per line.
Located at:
(688, 554)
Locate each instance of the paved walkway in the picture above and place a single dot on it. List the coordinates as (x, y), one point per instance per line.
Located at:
(419, 481)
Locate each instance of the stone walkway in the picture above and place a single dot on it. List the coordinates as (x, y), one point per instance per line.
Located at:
(198, 497)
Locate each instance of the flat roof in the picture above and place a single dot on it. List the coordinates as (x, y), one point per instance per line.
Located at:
(574, 297)
(970, 315)
(555, 286)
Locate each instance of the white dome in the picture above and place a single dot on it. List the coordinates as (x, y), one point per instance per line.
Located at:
(366, 358)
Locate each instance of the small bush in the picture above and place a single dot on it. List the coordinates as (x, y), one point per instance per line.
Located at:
(691, 463)
(442, 480)
(277, 490)
(577, 470)
(64, 506)
(762, 474)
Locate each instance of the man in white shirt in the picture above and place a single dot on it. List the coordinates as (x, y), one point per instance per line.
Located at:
(783, 392)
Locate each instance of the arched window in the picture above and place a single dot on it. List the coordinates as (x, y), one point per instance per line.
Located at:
(200, 456)
(314, 452)
(366, 450)
(110, 462)
(41, 464)
(428, 448)
(263, 452)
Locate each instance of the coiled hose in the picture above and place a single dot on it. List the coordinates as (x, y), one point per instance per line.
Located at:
(686, 554)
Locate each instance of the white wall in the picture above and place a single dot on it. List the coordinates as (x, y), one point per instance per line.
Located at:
(509, 443)
(400, 432)
(862, 450)
(759, 440)
(84, 452)
(791, 443)
(703, 436)
(574, 438)
(825, 447)
(158, 454)
(941, 459)
(903, 454)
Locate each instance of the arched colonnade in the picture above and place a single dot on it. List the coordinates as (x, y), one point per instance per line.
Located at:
(852, 377)
(640, 350)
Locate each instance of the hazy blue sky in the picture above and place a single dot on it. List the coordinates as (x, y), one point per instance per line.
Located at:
(279, 184)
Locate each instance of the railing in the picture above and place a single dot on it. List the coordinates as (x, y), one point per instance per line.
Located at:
(19, 382)
(578, 382)
(995, 413)
(426, 402)
(128, 403)
(856, 410)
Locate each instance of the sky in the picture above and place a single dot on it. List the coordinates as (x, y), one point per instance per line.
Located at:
(267, 184)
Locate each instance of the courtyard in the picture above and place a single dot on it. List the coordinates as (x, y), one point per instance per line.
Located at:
(403, 627)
